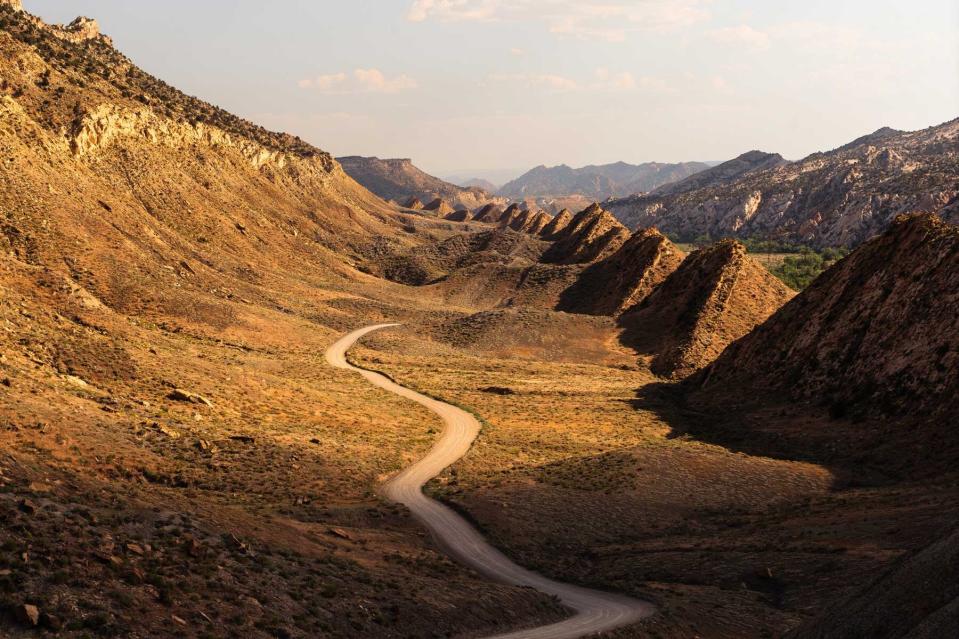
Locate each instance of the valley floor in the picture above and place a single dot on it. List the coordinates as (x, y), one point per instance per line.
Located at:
(247, 504)
(575, 477)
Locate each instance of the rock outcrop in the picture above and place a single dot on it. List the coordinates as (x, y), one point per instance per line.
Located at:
(460, 216)
(531, 222)
(489, 214)
(413, 203)
(626, 278)
(557, 225)
(591, 236)
(439, 207)
(717, 295)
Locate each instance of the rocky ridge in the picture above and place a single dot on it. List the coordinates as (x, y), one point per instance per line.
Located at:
(836, 198)
(400, 180)
(873, 343)
(715, 296)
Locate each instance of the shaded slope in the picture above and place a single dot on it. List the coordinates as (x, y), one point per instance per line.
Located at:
(918, 598)
(717, 295)
(592, 235)
(557, 225)
(625, 278)
(875, 338)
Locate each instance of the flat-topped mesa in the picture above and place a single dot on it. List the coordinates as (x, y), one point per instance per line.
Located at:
(717, 295)
(626, 278)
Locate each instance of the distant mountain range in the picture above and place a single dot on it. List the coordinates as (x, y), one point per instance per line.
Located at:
(399, 180)
(835, 198)
(597, 182)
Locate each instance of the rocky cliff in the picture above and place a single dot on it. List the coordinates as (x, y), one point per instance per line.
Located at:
(625, 278)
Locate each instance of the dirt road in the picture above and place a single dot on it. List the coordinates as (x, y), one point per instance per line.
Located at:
(596, 611)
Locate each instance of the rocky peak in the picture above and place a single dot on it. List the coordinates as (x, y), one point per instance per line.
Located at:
(16, 4)
(717, 295)
(592, 235)
(83, 28)
(557, 225)
(626, 278)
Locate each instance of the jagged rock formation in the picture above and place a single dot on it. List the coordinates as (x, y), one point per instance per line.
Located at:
(413, 203)
(557, 225)
(626, 278)
(531, 222)
(875, 339)
(917, 598)
(399, 179)
(460, 216)
(597, 182)
(717, 295)
(440, 207)
(837, 198)
(512, 213)
(592, 235)
(489, 214)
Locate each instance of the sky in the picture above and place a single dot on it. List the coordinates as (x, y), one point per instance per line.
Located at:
(486, 86)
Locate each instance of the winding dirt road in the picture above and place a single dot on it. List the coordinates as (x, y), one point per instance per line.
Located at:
(596, 611)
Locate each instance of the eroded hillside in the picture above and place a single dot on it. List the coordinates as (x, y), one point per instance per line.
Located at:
(836, 198)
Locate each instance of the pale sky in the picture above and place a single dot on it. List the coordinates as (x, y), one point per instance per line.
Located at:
(475, 85)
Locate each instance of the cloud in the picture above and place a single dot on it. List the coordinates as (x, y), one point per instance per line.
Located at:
(545, 80)
(743, 35)
(609, 20)
(605, 80)
(602, 80)
(360, 81)
(517, 51)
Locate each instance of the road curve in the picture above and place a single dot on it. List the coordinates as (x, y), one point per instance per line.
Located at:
(596, 611)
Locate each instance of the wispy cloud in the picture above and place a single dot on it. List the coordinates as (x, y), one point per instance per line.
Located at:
(742, 35)
(603, 80)
(359, 81)
(552, 82)
(609, 20)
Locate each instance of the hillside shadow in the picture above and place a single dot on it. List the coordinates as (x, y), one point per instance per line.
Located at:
(777, 430)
